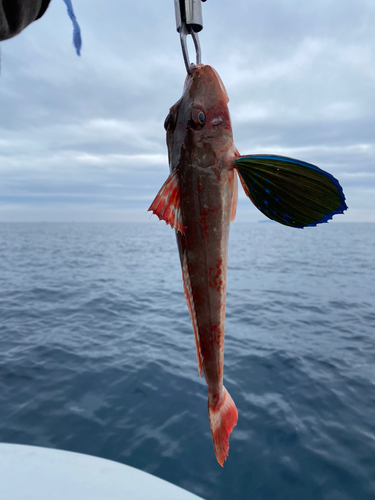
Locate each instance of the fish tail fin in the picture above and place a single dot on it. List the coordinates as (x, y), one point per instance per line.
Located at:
(223, 417)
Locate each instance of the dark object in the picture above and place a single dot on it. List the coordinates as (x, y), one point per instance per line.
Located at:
(15, 15)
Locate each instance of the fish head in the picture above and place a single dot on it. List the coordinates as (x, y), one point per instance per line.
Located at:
(199, 122)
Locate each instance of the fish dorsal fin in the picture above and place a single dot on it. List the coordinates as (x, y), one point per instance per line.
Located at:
(166, 205)
(291, 192)
(190, 303)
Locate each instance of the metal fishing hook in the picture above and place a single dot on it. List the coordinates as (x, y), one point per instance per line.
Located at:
(186, 30)
(189, 22)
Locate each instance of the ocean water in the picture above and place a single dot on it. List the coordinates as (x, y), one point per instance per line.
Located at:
(97, 355)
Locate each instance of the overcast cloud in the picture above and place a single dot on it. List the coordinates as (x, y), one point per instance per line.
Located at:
(82, 138)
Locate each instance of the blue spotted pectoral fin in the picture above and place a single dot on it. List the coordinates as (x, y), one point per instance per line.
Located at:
(291, 192)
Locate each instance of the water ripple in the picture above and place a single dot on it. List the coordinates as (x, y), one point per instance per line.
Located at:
(97, 355)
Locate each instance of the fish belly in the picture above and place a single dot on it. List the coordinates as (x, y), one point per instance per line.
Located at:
(206, 213)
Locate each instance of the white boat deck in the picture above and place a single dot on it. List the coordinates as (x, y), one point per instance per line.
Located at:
(35, 473)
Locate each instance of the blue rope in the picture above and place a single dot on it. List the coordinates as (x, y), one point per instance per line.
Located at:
(77, 41)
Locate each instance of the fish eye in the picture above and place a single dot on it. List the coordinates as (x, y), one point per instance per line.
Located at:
(198, 118)
(201, 118)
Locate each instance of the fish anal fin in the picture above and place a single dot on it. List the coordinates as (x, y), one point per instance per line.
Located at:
(166, 204)
(190, 303)
(223, 417)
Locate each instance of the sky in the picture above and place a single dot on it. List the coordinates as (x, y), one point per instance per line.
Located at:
(82, 138)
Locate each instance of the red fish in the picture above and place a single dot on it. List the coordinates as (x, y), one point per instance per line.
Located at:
(199, 200)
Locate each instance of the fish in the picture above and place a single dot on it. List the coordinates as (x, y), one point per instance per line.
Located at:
(199, 200)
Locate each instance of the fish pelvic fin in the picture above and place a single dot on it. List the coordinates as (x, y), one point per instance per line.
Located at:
(223, 417)
(190, 303)
(166, 204)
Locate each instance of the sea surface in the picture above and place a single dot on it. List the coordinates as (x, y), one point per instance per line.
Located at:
(97, 355)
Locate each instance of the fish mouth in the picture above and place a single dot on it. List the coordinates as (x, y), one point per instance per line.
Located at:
(189, 76)
(221, 84)
(196, 67)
